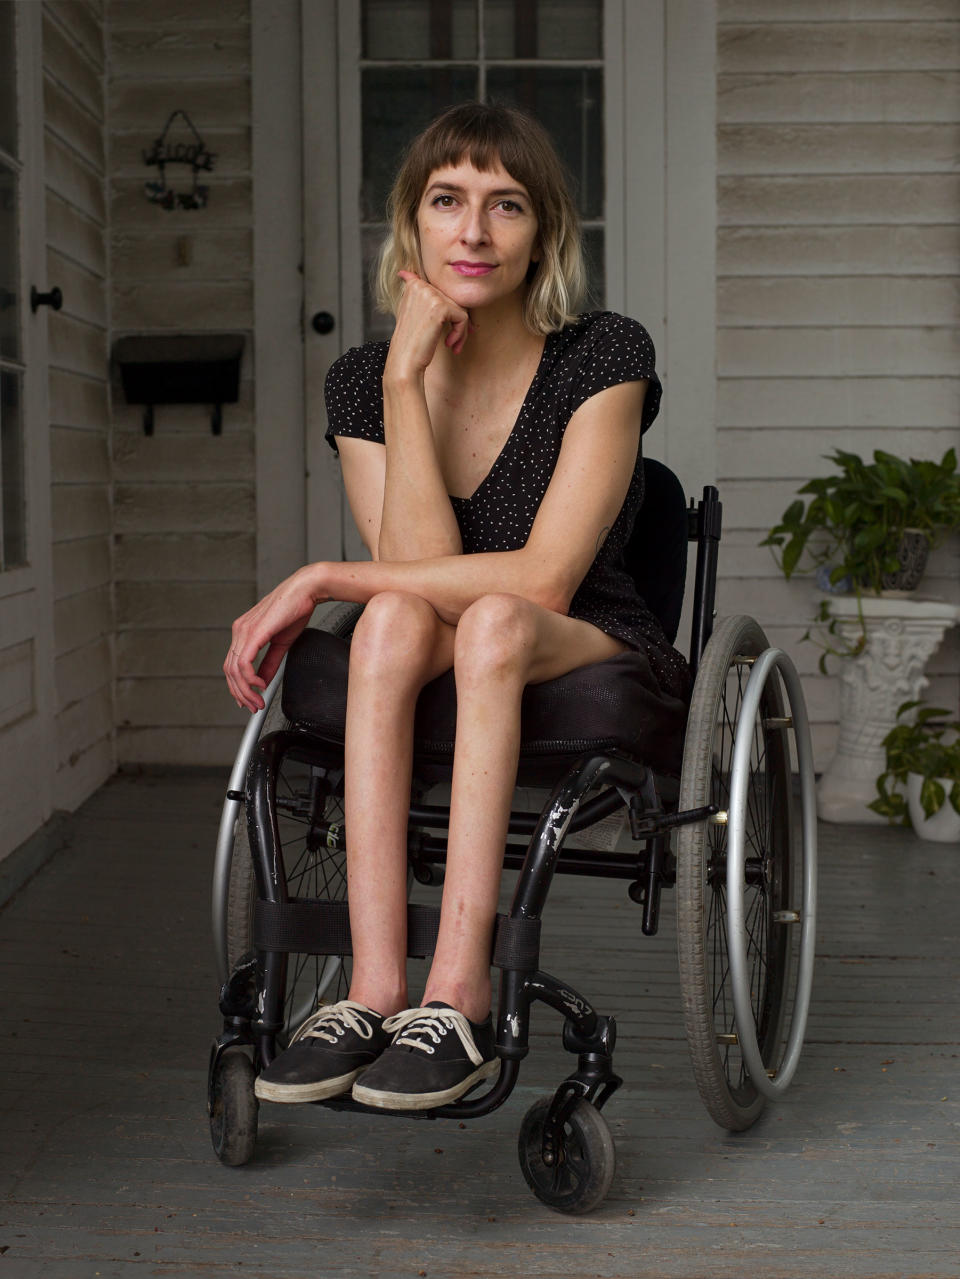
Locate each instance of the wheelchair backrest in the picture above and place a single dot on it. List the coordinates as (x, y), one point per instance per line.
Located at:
(655, 555)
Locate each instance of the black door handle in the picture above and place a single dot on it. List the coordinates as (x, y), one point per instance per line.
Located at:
(54, 298)
(323, 322)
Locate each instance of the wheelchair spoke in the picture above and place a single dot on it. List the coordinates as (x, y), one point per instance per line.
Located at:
(308, 804)
(334, 871)
(300, 866)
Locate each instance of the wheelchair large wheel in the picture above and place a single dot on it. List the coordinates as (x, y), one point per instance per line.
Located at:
(770, 886)
(310, 818)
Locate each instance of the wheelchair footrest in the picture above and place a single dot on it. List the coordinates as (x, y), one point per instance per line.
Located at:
(315, 927)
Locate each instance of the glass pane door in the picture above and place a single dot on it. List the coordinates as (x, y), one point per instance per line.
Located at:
(420, 56)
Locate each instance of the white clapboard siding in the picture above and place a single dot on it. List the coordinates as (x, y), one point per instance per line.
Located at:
(861, 200)
(838, 291)
(184, 508)
(186, 557)
(78, 456)
(150, 654)
(856, 300)
(824, 402)
(837, 148)
(834, 10)
(173, 15)
(902, 97)
(188, 747)
(837, 250)
(853, 46)
(75, 149)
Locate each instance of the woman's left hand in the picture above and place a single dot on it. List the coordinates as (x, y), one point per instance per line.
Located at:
(276, 621)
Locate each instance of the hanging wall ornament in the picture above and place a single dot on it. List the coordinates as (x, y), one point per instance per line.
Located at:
(189, 151)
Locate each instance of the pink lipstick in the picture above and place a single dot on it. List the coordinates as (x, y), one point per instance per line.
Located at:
(473, 268)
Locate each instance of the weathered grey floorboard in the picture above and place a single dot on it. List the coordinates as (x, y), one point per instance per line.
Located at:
(109, 1003)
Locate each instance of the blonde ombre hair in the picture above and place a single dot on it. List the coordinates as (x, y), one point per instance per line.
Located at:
(486, 135)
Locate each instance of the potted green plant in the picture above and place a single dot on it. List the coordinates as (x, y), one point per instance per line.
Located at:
(923, 759)
(868, 526)
(856, 518)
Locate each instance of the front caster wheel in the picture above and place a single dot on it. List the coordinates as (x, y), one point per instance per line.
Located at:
(233, 1117)
(584, 1163)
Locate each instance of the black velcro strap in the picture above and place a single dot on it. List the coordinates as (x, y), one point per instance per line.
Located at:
(308, 927)
(516, 944)
(302, 927)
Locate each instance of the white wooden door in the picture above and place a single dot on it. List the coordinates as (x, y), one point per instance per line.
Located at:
(27, 758)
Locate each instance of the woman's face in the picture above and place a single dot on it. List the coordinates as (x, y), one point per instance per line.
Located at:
(478, 235)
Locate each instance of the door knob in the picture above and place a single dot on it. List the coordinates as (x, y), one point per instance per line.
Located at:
(323, 322)
(54, 298)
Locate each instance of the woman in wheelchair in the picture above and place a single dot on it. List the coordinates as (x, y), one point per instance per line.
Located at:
(491, 457)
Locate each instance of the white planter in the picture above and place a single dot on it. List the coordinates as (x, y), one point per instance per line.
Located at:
(901, 636)
(944, 826)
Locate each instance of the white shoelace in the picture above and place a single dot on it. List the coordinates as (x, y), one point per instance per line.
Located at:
(332, 1021)
(431, 1024)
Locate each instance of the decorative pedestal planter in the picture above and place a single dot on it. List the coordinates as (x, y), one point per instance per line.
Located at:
(902, 634)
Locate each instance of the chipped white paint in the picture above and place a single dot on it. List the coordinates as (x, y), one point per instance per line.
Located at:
(559, 819)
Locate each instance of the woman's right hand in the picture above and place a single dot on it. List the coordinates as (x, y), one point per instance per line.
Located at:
(423, 316)
(275, 621)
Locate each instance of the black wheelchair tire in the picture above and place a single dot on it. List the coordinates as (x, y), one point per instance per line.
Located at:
(242, 890)
(724, 1084)
(233, 1119)
(582, 1177)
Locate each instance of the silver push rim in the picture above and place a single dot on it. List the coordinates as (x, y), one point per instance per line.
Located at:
(223, 859)
(770, 1083)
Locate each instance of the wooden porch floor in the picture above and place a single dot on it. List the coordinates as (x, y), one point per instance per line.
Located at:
(109, 1001)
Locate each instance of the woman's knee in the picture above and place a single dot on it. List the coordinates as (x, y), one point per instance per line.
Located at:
(496, 636)
(396, 632)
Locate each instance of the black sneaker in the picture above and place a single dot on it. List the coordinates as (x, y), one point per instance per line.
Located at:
(435, 1057)
(325, 1055)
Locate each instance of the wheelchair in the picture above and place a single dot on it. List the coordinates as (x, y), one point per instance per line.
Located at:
(729, 828)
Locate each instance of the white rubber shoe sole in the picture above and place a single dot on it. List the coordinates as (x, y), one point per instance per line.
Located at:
(423, 1100)
(318, 1091)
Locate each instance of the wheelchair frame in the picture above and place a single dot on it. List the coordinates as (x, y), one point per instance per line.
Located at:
(254, 990)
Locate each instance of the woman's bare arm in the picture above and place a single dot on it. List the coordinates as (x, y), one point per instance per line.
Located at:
(581, 503)
(397, 495)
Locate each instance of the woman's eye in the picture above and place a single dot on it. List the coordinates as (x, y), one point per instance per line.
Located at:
(510, 206)
(444, 201)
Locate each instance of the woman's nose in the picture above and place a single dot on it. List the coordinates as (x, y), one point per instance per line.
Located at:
(474, 229)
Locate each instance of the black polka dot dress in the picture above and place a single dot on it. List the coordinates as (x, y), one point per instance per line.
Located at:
(600, 350)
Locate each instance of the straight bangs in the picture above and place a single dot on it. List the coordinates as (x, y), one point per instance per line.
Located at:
(486, 136)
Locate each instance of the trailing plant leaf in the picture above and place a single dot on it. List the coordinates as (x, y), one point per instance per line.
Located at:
(891, 804)
(926, 743)
(932, 796)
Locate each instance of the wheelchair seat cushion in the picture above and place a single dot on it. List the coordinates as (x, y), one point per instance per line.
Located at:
(616, 704)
